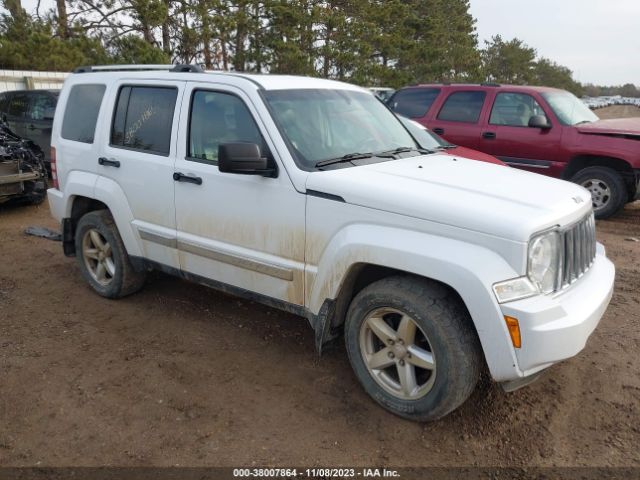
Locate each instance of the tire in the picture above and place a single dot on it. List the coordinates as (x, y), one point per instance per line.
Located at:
(116, 278)
(607, 187)
(443, 328)
(633, 194)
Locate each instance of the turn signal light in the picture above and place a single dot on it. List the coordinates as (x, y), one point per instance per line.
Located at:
(514, 331)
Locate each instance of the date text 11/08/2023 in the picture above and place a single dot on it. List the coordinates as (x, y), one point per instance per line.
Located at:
(315, 473)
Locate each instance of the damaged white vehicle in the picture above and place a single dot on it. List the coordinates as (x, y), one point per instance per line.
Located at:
(309, 195)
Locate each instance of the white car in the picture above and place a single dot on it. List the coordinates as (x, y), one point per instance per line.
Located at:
(311, 196)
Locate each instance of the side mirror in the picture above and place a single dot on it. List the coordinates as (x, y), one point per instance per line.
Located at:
(539, 121)
(244, 159)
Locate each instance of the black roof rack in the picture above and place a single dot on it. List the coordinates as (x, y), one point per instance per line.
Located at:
(490, 84)
(139, 68)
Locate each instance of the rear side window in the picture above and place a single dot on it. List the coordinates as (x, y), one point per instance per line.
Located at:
(143, 118)
(81, 114)
(462, 107)
(414, 102)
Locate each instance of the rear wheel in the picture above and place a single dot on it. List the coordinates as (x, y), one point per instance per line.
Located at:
(102, 257)
(412, 347)
(633, 193)
(607, 187)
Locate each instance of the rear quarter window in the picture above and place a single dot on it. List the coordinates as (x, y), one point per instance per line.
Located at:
(463, 107)
(143, 118)
(81, 113)
(414, 102)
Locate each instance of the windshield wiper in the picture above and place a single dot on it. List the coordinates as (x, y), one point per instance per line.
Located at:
(582, 122)
(362, 156)
(422, 151)
(351, 156)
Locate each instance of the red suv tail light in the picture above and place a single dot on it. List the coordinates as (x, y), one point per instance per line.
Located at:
(54, 169)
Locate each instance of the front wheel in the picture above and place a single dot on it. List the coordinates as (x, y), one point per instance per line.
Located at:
(412, 346)
(607, 187)
(102, 257)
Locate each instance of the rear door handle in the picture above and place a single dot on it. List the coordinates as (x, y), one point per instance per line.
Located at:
(181, 177)
(105, 162)
(438, 130)
(489, 135)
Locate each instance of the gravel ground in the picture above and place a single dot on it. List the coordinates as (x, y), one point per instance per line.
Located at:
(183, 375)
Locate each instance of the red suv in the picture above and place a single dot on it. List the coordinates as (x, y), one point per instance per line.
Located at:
(543, 130)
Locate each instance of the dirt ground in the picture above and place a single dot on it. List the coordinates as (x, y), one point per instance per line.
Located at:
(183, 375)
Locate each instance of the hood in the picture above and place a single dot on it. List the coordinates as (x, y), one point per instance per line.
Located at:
(468, 194)
(616, 126)
(473, 155)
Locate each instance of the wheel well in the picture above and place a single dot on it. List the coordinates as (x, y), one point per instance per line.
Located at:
(361, 276)
(81, 206)
(583, 161)
(84, 205)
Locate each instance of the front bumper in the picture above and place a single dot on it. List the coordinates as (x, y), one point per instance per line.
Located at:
(556, 327)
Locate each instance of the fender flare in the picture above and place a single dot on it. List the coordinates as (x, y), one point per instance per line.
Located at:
(112, 195)
(469, 269)
(90, 185)
(77, 184)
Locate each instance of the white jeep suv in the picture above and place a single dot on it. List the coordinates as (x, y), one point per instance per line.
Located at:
(311, 196)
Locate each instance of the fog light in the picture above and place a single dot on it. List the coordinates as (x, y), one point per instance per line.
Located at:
(514, 331)
(514, 289)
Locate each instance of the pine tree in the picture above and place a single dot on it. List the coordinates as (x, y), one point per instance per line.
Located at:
(508, 62)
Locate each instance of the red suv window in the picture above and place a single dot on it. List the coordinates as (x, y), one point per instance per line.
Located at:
(462, 107)
(414, 102)
(514, 109)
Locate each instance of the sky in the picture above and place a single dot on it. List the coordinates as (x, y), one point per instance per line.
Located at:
(599, 40)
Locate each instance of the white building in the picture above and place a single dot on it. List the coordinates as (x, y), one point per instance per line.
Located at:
(30, 80)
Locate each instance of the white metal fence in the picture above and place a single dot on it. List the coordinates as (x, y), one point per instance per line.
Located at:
(30, 80)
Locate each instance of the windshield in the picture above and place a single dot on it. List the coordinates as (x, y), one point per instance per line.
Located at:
(568, 108)
(325, 124)
(425, 137)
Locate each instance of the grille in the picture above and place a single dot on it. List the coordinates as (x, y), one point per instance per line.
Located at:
(579, 250)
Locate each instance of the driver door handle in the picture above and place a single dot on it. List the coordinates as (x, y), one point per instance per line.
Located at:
(489, 135)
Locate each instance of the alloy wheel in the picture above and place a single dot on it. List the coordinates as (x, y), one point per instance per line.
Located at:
(98, 257)
(397, 353)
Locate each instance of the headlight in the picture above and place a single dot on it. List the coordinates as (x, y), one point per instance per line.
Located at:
(544, 261)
